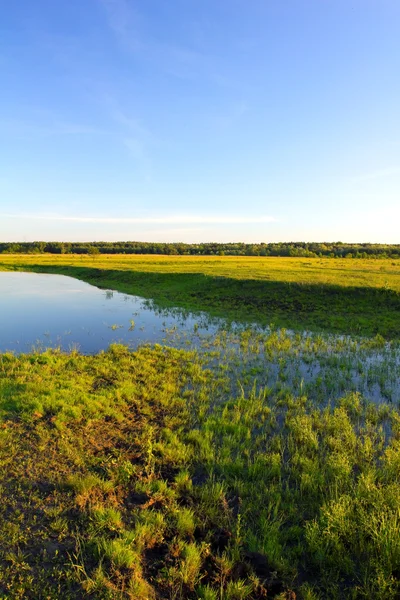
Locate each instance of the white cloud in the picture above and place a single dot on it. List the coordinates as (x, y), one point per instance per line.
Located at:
(161, 220)
(50, 128)
(122, 20)
(378, 174)
(135, 147)
(133, 33)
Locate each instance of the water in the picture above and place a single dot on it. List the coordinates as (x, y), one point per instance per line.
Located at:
(48, 311)
(41, 311)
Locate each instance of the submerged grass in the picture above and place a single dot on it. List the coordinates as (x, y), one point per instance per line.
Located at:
(152, 475)
(346, 296)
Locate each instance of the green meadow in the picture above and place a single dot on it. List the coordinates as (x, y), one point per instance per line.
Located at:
(262, 463)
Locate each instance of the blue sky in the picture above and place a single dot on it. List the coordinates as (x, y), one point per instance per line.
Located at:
(200, 120)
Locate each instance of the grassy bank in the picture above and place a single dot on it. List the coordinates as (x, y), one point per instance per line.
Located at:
(144, 475)
(344, 296)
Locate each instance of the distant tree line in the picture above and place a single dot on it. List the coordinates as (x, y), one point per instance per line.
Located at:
(303, 249)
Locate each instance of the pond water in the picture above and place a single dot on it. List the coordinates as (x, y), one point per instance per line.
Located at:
(41, 311)
(48, 311)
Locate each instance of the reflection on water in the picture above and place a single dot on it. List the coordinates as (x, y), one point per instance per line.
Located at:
(40, 311)
(45, 311)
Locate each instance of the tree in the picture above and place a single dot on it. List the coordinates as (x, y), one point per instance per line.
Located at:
(93, 251)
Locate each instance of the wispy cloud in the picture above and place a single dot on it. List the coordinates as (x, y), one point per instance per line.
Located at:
(121, 19)
(55, 127)
(135, 147)
(132, 133)
(182, 61)
(230, 117)
(129, 123)
(160, 220)
(378, 174)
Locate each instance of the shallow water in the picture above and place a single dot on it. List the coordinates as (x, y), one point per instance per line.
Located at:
(48, 311)
(40, 311)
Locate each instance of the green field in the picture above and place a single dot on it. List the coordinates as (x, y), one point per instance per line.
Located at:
(345, 296)
(260, 465)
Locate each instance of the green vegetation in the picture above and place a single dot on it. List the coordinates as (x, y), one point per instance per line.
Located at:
(359, 297)
(164, 473)
(260, 465)
(303, 249)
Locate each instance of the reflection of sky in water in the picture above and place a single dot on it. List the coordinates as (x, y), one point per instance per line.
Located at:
(54, 310)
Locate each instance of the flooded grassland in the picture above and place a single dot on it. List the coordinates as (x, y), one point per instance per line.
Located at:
(215, 461)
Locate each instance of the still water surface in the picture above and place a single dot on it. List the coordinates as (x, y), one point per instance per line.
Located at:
(44, 311)
(40, 311)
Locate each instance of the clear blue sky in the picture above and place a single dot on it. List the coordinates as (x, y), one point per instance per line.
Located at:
(198, 120)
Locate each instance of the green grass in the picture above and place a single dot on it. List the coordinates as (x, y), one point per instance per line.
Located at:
(359, 297)
(254, 467)
(170, 479)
